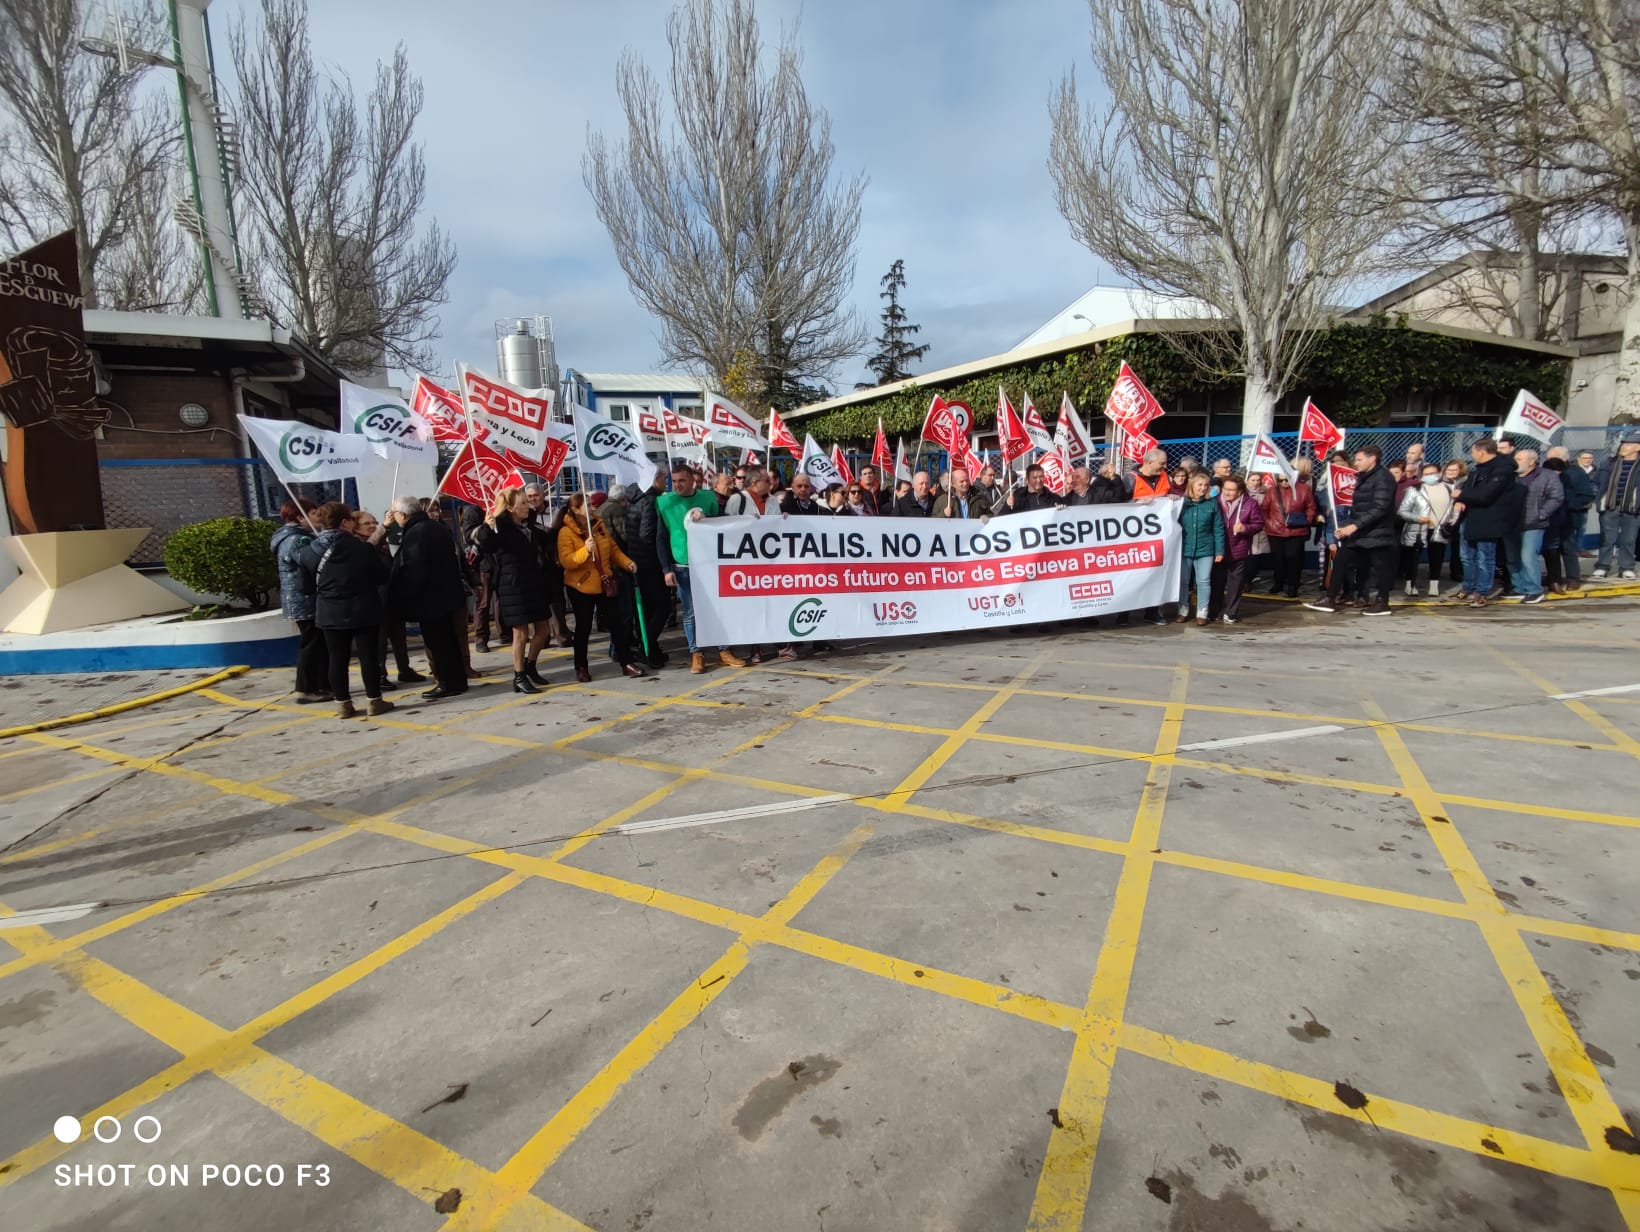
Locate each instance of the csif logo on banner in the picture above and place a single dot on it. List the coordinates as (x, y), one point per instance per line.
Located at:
(301, 454)
(608, 441)
(385, 424)
(805, 618)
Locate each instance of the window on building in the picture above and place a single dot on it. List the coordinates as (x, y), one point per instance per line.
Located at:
(620, 412)
(691, 409)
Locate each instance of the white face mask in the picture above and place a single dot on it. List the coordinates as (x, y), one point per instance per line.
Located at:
(1432, 479)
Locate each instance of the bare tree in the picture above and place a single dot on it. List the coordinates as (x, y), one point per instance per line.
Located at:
(1576, 63)
(1241, 161)
(727, 224)
(156, 266)
(82, 148)
(331, 198)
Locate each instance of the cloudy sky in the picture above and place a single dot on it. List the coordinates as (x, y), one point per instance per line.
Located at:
(941, 103)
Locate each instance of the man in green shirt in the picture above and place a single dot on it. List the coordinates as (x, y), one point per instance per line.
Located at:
(675, 509)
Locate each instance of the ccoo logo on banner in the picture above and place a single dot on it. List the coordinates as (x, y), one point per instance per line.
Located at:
(754, 581)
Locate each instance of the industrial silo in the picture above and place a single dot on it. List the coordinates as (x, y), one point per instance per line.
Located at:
(524, 354)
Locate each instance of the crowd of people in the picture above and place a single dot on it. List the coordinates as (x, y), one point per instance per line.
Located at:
(1502, 524)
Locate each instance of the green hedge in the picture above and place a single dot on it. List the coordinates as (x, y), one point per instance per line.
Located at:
(225, 556)
(1352, 374)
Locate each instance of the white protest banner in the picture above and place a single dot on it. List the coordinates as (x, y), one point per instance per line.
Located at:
(604, 447)
(731, 425)
(818, 466)
(515, 418)
(1530, 416)
(819, 578)
(301, 453)
(394, 431)
(1268, 460)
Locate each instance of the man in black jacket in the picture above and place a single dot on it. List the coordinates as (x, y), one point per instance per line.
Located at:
(345, 575)
(876, 502)
(642, 522)
(424, 585)
(1487, 505)
(917, 503)
(1372, 534)
(1032, 495)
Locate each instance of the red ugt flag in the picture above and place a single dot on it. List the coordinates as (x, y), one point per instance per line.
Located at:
(780, 436)
(1011, 434)
(841, 463)
(1131, 407)
(477, 474)
(441, 408)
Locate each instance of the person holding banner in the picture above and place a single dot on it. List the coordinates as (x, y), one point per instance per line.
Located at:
(675, 510)
(917, 503)
(1201, 548)
(590, 558)
(1030, 496)
(520, 582)
(963, 500)
(345, 575)
(874, 502)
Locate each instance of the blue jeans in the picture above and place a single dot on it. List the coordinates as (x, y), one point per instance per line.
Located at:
(1526, 574)
(1201, 569)
(1480, 562)
(686, 601)
(1617, 530)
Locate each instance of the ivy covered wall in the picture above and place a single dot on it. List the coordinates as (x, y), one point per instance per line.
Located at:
(1353, 374)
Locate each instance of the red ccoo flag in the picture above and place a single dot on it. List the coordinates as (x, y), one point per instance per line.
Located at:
(880, 456)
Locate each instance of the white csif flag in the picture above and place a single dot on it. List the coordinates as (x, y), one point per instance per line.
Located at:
(394, 431)
(818, 466)
(301, 453)
(604, 447)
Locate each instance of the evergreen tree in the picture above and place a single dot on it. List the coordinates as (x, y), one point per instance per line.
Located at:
(895, 352)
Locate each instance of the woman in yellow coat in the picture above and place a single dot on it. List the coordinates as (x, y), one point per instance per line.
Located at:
(589, 576)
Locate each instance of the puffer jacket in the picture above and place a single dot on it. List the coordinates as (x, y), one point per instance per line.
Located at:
(585, 570)
(1433, 501)
(425, 576)
(613, 515)
(1373, 512)
(1544, 497)
(1486, 513)
(348, 575)
(520, 582)
(1203, 528)
(295, 600)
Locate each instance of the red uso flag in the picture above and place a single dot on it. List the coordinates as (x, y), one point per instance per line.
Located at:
(880, 457)
(1314, 426)
(1012, 438)
(477, 474)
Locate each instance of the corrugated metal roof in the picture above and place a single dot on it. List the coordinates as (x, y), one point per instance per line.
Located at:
(642, 382)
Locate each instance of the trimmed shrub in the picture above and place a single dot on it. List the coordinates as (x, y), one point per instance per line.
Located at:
(225, 556)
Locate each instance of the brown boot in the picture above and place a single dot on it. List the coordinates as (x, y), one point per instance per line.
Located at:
(378, 706)
(344, 710)
(697, 663)
(729, 658)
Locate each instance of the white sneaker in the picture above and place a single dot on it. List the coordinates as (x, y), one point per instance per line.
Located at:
(1434, 590)
(1411, 589)
(1600, 573)
(1628, 573)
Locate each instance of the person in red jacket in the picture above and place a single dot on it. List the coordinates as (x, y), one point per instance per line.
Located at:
(1289, 513)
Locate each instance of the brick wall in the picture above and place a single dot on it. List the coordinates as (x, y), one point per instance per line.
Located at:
(143, 422)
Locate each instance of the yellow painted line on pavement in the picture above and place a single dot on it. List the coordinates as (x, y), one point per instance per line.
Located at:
(135, 703)
(1381, 1112)
(1581, 1085)
(1067, 1164)
(63, 782)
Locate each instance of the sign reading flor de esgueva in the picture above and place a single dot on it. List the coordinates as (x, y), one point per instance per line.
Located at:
(759, 580)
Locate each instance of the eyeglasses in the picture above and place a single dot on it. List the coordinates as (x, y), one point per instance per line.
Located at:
(855, 492)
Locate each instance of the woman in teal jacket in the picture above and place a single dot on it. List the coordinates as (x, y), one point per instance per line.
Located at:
(1201, 546)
